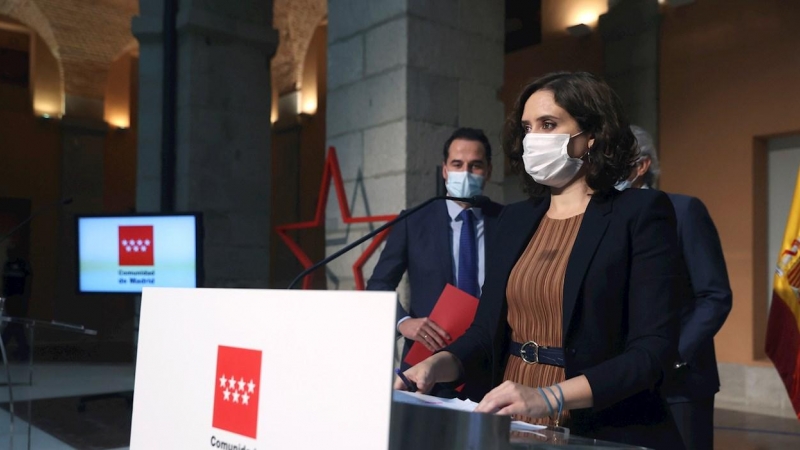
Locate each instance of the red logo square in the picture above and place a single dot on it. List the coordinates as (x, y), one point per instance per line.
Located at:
(136, 245)
(236, 392)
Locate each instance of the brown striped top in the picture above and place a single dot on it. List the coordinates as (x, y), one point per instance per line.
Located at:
(535, 294)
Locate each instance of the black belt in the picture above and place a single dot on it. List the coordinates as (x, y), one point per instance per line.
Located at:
(533, 353)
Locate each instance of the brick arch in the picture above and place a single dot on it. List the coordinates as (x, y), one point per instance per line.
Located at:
(131, 47)
(296, 22)
(85, 53)
(313, 68)
(28, 13)
(119, 92)
(307, 36)
(47, 80)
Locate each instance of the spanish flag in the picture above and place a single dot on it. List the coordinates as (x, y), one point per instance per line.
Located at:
(783, 328)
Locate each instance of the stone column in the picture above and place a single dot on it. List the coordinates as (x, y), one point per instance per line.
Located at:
(222, 128)
(402, 75)
(82, 144)
(630, 32)
(148, 29)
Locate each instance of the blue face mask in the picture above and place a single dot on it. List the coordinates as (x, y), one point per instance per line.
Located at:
(625, 184)
(622, 185)
(464, 184)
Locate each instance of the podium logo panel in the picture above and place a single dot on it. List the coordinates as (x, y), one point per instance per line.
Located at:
(136, 245)
(236, 390)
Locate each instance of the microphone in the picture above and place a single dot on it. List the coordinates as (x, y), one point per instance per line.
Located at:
(63, 201)
(477, 201)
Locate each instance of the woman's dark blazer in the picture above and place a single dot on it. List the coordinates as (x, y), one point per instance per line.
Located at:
(620, 309)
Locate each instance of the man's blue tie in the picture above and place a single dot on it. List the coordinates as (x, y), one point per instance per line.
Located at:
(468, 255)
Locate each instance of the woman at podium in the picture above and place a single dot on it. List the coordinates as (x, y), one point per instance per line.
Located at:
(578, 320)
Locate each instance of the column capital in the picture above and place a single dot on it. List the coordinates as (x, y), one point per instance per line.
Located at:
(147, 28)
(195, 20)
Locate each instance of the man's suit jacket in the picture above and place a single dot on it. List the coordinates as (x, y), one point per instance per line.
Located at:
(620, 319)
(708, 301)
(422, 245)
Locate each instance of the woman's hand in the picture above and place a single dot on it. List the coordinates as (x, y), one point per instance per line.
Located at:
(439, 368)
(513, 398)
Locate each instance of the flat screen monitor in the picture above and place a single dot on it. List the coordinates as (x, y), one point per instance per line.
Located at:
(124, 253)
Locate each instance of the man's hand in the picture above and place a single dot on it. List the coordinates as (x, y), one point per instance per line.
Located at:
(426, 332)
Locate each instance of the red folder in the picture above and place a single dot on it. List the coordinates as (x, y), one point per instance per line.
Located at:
(454, 312)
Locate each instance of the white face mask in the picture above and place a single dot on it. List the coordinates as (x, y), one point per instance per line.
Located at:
(464, 184)
(627, 184)
(546, 159)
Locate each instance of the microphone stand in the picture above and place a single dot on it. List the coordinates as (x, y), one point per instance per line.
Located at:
(477, 200)
(30, 325)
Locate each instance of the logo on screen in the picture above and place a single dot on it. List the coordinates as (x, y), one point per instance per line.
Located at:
(236, 392)
(136, 245)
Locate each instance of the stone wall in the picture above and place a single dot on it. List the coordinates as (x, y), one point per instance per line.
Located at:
(394, 98)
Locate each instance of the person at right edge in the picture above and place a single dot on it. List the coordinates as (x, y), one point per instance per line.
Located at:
(691, 388)
(578, 319)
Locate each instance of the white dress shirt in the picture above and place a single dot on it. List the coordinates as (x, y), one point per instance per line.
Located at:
(453, 210)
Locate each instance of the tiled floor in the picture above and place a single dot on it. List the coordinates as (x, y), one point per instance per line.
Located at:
(733, 429)
(748, 431)
(66, 380)
(19, 439)
(55, 381)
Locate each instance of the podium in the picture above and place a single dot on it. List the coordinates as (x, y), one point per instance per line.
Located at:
(416, 427)
(255, 369)
(30, 326)
(259, 369)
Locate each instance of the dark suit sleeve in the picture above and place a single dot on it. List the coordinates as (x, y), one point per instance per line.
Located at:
(392, 263)
(652, 309)
(711, 290)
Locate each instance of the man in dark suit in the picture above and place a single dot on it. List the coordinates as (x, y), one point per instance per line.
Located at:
(691, 388)
(442, 243)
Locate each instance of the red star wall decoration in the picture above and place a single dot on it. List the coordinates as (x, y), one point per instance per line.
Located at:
(332, 171)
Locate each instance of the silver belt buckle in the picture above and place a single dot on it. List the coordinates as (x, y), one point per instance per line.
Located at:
(523, 353)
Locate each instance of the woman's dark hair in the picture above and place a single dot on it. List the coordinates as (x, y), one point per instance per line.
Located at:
(599, 113)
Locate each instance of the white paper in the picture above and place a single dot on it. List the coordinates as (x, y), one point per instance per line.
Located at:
(415, 398)
(518, 425)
